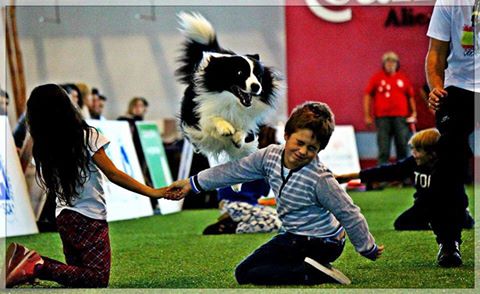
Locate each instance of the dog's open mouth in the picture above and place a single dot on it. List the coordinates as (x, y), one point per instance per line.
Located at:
(245, 97)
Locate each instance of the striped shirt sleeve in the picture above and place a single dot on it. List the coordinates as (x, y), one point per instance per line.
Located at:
(337, 201)
(234, 172)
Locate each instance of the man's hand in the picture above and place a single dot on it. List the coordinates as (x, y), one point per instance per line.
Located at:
(435, 98)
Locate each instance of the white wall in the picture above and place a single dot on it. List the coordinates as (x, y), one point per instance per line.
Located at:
(108, 47)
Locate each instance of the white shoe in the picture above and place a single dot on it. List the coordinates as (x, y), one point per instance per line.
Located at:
(330, 271)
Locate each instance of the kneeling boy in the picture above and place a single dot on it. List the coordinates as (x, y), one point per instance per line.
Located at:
(315, 211)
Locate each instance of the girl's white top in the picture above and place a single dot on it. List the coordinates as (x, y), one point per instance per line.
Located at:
(91, 201)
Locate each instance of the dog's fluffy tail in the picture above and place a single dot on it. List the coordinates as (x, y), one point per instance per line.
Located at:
(196, 28)
(200, 37)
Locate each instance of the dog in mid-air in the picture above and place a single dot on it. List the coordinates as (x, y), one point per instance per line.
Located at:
(228, 95)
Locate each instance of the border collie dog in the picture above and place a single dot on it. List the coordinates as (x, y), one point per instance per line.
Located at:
(228, 95)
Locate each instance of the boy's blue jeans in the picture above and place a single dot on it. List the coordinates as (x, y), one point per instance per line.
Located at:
(280, 261)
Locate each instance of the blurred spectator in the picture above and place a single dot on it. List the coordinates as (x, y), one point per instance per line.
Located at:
(137, 108)
(74, 94)
(4, 100)
(79, 93)
(392, 96)
(85, 95)
(97, 105)
(20, 131)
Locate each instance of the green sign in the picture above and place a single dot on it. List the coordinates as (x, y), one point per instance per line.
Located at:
(154, 152)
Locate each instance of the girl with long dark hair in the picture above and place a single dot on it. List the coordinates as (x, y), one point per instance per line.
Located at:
(70, 159)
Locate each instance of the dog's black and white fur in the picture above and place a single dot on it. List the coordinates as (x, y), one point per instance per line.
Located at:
(228, 95)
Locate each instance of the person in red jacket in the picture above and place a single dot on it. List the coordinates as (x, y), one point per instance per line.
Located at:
(390, 95)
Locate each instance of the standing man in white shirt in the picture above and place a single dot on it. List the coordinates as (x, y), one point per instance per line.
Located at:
(451, 63)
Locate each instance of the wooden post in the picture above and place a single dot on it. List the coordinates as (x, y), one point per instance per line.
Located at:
(10, 57)
(22, 95)
(14, 55)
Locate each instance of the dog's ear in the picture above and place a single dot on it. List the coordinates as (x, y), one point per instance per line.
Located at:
(254, 56)
(207, 57)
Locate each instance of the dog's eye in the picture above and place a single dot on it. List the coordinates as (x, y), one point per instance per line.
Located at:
(239, 73)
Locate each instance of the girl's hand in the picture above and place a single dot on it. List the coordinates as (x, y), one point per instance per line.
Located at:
(167, 193)
(159, 193)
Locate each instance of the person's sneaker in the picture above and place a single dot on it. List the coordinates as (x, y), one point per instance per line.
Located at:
(20, 264)
(324, 273)
(449, 255)
(224, 226)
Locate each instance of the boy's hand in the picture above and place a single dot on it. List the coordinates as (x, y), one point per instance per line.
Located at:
(166, 193)
(375, 253)
(178, 189)
(379, 251)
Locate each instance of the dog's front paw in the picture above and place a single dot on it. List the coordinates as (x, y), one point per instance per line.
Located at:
(238, 139)
(236, 188)
(224, 128)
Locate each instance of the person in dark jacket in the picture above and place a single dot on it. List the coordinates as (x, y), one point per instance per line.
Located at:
(419, 167)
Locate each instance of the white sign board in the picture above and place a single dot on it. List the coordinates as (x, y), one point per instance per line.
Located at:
(16, 211)
(341, 154)
(121, 203)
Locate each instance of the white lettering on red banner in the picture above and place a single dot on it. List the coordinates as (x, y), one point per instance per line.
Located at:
(323, 10)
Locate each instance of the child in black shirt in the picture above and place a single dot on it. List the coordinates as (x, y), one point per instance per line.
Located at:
(419, 168)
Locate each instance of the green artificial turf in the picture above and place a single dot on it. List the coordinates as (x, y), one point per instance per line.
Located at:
(170, 252)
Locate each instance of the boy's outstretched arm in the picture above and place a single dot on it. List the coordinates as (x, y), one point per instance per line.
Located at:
(120, 178)
(343, 178)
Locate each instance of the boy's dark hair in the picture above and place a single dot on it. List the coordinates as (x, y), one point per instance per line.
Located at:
(315, 116)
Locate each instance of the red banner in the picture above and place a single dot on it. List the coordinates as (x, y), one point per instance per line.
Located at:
(333, 61)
